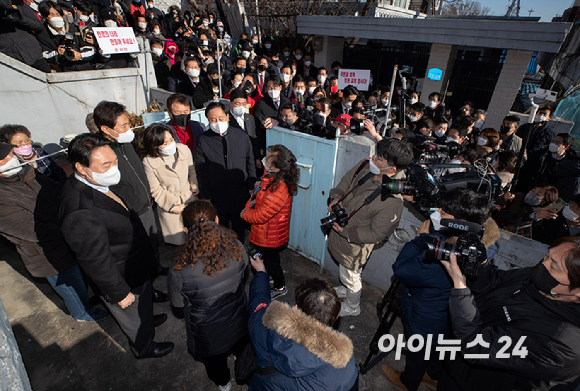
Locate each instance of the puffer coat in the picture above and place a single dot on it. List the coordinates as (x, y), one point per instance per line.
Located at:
(270, 216)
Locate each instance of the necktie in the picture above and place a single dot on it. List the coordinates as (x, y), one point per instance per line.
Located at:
(261, 82)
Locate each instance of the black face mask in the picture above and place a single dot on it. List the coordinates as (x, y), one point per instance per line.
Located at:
(240, 70)
(542, 279)
(181, 119)
(504, 129)
(215, 82)
(262, 68)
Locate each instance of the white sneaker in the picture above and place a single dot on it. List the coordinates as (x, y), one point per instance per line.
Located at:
(227, 387)
(345, 311)
(340, 291)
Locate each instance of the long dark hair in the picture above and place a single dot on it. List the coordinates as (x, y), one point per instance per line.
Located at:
(206, 239)
(284, 160)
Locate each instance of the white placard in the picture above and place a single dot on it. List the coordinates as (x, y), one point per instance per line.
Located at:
(356, 77)
(116, 40)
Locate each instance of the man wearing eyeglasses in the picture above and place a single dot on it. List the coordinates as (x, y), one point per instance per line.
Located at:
(529, 318)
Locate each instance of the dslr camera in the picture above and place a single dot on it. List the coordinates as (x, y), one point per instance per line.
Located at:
(68, 42)
(469, 250)
(338, 215)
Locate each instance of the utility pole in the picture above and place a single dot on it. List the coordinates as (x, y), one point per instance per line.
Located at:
(530, 12)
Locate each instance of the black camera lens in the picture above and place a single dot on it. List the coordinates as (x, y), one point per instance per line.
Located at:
(437, 250)
(327, 222)
(398, 186)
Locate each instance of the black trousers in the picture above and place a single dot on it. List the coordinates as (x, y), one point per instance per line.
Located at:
(217, 366)
(271, 257)
(416, 366)
(136, 321)
(238, 225)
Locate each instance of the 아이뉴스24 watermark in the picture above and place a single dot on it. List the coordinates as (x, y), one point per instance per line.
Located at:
(416, 343)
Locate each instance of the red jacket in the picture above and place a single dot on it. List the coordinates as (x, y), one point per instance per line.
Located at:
(270, 217)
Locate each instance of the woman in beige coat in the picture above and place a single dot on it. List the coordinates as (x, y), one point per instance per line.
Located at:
(171, 175)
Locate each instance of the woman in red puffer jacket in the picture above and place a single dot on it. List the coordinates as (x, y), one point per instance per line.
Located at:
(269, 211)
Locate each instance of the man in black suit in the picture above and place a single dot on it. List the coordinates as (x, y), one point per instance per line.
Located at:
(263, 71)
(113, 123)
(267, 110)
(226, 171)
(241, 119)
(349, 95)
(110, 243)
(307, 69)
(209, 87)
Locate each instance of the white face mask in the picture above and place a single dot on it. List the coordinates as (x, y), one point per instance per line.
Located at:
(436, 220)
(205, 24)
(142, 25)
(311, 90)
(373, 167)
(285, 78)
(219, 127)
(432, 104)
(348, 105)
(384, 102)
(57, 23)
(553, 147)
(238, 111)
(481, 141)
(274, 94)
(84, 18)
(439, 133)
(10, 167)
(541, 118)
(110, 23)
(307, 63)
(299, 92)
(478, 124)
(220, 29)
(149, 6)
(157, 32)
(268, 169)
(413, 118)
(169, 150)
(108, 178)
(34, 6)
(237, 84)
(321, 79)
(126, 137)
(413, 101)
(299, 57)
(254, 42)
(245, 54)
(286, 54)
(569, 214)
(293, 73)
(451, 140)
(205, 43)
(268, 46)
(157, 51)
(532, 200)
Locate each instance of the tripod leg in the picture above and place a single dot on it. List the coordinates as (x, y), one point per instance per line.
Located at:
(384, 328)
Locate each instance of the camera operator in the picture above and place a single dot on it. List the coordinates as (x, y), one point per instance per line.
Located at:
(322, 122)
(61, 42)
(540, 304)
(425, 301)
(290, 119)
(352, 245)
(17, 36)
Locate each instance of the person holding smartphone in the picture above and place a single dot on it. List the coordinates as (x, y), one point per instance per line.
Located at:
(268, 210)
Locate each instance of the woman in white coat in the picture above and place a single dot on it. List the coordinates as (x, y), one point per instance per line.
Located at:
(171, 174)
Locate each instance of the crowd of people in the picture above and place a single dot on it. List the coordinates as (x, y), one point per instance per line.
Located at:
(95, 218)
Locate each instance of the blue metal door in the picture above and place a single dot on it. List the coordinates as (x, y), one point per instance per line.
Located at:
(316, 159)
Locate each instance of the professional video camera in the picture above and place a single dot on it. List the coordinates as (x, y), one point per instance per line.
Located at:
(68, 42)
(428, 150)
(426, 182)
(8, 12)
(469, 250)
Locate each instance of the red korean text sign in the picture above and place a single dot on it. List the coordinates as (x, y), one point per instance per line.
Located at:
(116, 40)
(359, 78)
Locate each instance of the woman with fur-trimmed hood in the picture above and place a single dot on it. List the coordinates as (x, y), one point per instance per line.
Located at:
(425, 302)
(296, 347)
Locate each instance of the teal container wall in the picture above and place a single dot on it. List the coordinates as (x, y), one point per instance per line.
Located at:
(316, 159)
